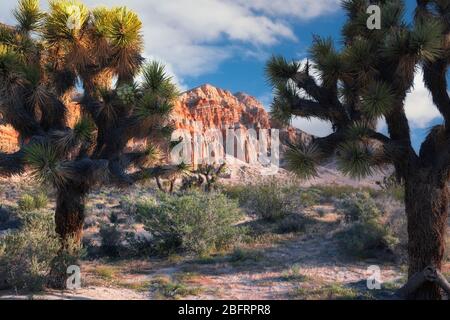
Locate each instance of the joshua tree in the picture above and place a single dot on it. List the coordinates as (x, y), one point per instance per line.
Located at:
(49, 59)
(368, 79)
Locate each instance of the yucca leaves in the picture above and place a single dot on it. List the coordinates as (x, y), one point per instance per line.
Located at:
(302, 159)
(281, 107)
(354, 7)
(159, 92)
(84, 130)
(65, 20)
(360, 61)
(377, 100)
(392, 13)
(426, 40)
(101, 21)
(150, 156)
(125, 29)
(152, 106)
(279, 70)
(46, 166)
(28, 15)
(158, 82)
(10, 60)
(327, 60)
(125, 36)
(358, 131)
(355, 159)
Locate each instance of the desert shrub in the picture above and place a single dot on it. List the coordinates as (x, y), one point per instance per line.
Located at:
(111, 240)
(394, 218)
(359, 207)
(333, 192)
(40, 200)
(128, 205)
(367, 239)
(292, 224)
(240, 255)
(26, 254)
(29, 202)
(26, 203)
(269, 200)
(391, 186)
(138, 245)
(236, 192)
(192, 222)
(367, 234)
(310, 197)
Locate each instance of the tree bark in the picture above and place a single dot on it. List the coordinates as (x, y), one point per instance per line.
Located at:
(69, 220)
(69, 214)
(426, 200)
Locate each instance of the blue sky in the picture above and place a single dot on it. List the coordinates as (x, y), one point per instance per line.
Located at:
(227, 42)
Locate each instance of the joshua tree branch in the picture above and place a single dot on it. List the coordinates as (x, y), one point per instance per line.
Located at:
(436, 81)
(430, 274)
(379, 136)
(311, 109)
(325, 96)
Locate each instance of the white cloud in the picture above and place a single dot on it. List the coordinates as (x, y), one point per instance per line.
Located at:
(303, 9)
(419, 105)
(195, 36)
(316, 127)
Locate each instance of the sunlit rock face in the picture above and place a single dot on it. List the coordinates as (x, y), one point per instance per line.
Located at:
(208, 111)
(9, 138)
(219, 109)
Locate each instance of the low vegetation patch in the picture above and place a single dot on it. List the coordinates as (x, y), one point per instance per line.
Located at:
(366, 235)
(28, 202)
(241, 255)
(333, 291)
(192, 222)
(165, 288)
(26, 254)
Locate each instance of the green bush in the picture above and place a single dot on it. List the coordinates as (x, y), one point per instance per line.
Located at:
(40, 201)
(310, 197)
(269, 200)
(32, 202)
(192, 222)
(367, 239)
(111, 240)
(366, 235)
(292, 224)
(26, 254)
(359, 207)
(26, 203)
(236, 192)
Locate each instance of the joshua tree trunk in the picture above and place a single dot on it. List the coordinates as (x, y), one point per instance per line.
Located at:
(69, 214)
(426, 200)
(69, 219)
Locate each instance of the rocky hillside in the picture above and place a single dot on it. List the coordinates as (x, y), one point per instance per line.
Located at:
(219, 109)
(208, 107)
